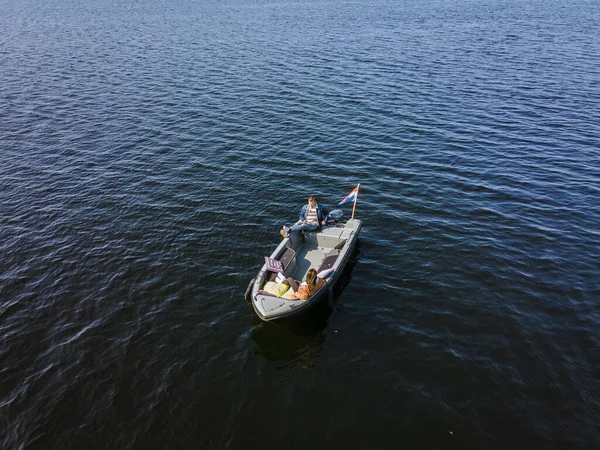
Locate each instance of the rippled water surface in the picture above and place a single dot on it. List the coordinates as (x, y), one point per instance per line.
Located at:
(151, 151)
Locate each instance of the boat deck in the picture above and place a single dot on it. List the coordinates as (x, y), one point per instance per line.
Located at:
(307, 257)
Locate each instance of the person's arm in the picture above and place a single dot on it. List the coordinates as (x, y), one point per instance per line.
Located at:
(302, 216)
(324, 215)
(303, 293)
(319, 284)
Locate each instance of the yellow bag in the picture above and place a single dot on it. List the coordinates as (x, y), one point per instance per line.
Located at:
(277, 289)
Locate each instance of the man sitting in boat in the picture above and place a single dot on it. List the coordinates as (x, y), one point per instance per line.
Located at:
(305, 290)
(312, 216)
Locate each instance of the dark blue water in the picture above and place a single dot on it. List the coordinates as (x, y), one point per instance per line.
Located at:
(151, 151)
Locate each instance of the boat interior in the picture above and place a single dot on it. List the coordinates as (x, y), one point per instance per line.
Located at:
(326, 250)
(317, 250)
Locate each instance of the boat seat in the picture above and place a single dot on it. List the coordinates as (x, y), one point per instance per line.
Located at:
(329, 260)
(287, 257)
(288, 261)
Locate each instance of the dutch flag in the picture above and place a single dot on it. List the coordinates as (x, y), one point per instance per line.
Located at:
(350, 197)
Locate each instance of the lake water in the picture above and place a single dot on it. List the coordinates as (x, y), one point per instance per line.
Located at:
(152, 150)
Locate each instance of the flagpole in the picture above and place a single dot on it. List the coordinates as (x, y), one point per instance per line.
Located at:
(355, 200)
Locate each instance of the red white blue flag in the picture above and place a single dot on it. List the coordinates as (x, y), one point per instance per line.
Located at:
(350, 197)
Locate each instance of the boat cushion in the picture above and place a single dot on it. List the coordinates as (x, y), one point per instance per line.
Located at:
(287, 257)
(274, 288)
(273, 265)
(329, 260)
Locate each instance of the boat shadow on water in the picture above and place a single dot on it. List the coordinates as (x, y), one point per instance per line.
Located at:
(300, 339)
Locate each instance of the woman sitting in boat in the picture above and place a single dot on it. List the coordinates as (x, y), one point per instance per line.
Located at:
(305, 290)
(312, 216)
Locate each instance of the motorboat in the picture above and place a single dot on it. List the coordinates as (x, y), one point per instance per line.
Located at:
(326, 250)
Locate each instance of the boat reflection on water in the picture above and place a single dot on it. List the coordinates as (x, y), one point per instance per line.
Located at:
(300, 339)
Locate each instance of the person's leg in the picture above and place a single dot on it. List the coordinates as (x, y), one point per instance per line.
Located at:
(286, 231)
(304, 227)
(293, 284)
